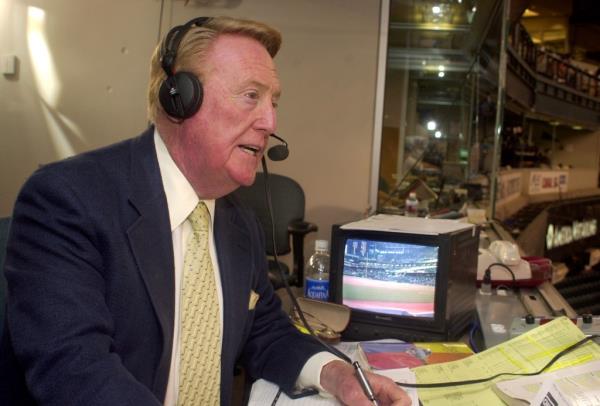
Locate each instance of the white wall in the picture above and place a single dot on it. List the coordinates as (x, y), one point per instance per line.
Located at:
(80, 84)
(101, 50)
(578, 149)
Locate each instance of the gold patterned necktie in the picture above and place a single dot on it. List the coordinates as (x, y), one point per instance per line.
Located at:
(200, 351)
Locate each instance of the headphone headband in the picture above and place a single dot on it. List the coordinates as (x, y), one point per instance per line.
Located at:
(181, 93)
(173, 39)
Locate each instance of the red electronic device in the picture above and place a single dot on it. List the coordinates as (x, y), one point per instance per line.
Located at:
(541, 269)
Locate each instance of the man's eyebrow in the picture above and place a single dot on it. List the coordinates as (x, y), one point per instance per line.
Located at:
(262, 86)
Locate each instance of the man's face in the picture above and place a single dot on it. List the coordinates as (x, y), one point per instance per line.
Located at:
(220, 147)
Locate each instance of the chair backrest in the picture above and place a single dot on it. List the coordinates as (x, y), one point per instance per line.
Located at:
(287, 198)
(4, 223)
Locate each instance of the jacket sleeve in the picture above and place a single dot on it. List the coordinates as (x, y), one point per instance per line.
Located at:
(275, 350)
(58, 318)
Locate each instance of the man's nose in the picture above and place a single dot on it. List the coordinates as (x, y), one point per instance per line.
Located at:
(267, 118)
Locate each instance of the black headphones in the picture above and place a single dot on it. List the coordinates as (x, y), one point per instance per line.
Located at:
(181, 93)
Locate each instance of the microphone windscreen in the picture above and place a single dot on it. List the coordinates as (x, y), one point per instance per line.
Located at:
(278, 152)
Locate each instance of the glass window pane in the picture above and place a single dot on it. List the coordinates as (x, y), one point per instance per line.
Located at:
(439, 103)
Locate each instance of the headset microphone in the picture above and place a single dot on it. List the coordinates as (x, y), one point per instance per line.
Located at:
(278, 152)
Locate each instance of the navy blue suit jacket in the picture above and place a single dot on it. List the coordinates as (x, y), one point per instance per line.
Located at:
(91, 287)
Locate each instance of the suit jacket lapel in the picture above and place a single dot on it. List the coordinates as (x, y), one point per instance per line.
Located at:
(151, 242)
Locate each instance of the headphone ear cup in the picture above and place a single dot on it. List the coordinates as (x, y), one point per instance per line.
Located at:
(181, 95)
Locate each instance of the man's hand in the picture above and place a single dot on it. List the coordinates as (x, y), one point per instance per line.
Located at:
(339, 379)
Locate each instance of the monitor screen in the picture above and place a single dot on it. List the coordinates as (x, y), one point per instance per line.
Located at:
(390, 277)
(402, 277)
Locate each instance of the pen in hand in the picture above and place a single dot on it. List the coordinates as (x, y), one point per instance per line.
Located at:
(362, 378)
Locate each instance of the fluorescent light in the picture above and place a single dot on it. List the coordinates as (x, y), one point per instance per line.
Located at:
(441, 74)
(431, 125)
(530, 13)
(42, 61)
(436, 9)
(438, 134)
(61, 128)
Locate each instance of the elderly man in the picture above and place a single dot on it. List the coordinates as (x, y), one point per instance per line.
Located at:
(134, 279)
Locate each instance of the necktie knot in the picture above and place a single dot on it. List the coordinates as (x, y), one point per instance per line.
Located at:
(199, 217)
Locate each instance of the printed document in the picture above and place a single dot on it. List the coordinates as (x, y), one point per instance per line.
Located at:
(579, 385)
(528, 352)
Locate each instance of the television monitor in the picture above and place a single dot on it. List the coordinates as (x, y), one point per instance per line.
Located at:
(405, 277)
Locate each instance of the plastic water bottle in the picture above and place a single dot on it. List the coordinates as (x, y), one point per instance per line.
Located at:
(316, 285)
(411, 206)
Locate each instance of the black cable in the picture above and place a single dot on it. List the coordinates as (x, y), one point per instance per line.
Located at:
(472, 332)
(505, 267)
(481, 380)
(276, 398)
(285, 281)
(282, 275)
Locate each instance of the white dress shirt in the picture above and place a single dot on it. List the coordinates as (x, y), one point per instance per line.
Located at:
(181, 200)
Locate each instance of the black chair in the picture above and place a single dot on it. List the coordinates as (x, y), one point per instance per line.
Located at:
(4, 222)
(287, 198)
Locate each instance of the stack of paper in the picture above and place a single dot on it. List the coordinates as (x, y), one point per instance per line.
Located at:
(526, 353)
(382, 354)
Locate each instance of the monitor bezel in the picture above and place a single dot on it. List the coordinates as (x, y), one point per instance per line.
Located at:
(437, 323)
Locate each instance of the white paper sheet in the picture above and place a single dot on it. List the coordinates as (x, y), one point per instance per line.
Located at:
(579, 384)
(263, 392)
(403, 224)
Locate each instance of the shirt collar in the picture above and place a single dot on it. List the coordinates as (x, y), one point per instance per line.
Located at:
(181, 197)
